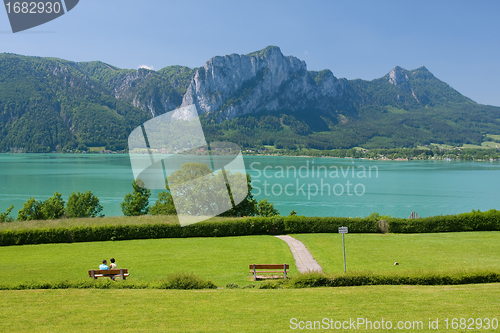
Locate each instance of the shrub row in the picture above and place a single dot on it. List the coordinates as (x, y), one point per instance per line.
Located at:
(474, 221)
(309, 280)
(321, 280)
(276, 225)
(174, 281)
(185, 281)
(82, 284)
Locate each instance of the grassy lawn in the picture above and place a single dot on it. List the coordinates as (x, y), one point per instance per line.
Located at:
(490, 144)
(493, 136)
(222, 260)
(441, 146)
(225, 260)
(466, 145)
(96, 149)
(248, 310)
(414, 252)
(99, 221)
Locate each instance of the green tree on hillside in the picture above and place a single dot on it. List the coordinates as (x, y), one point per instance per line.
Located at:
(266, 209)
(136, 203)
(52, 208)
(83, 205)
(247, 207)
(197, 197)
(204, 198)
(164, 205)
(4, 217)
(31, 210)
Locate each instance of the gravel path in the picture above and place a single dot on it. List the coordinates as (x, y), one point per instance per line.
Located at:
(303, 258)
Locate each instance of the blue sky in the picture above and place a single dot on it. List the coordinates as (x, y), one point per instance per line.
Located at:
(458, 41)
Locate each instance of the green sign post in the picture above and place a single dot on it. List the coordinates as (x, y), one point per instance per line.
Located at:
(343, 230)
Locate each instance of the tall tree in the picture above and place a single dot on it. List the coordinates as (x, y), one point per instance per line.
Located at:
(136, 203)
(4, 217)
(83, 205)
(205, 197)
(266, 209)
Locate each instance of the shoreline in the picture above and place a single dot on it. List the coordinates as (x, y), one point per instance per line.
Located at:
(395, 154)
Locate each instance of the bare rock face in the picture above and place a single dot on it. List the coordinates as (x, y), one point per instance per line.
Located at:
(397, 76)
(236, 85)
(149, 90)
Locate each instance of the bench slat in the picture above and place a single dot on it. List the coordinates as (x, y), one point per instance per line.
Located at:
(95, 273)
(269, 266)
(258, 269)
(109, 271)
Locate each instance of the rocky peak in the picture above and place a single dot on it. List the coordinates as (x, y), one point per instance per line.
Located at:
(266, 80)
(398, 76)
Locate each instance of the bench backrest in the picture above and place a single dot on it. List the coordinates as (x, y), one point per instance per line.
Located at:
(108, 271)
(269, 266)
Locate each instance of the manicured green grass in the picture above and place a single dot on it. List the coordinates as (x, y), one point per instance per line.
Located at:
(75, 310)
(223, 260)
(96, 149)
(471, 146)
(377, 253)
(99, 221)
(490, 144)
(493, 136)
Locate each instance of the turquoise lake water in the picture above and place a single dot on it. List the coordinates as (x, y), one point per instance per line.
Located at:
(310, 186)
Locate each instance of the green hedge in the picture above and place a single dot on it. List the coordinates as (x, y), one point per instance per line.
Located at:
(243, 227)
(474, 221)
(276, 225)
(173, 281)
(310, 280)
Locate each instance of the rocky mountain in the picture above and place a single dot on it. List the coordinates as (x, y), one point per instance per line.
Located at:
(262, 98)
(266, 81)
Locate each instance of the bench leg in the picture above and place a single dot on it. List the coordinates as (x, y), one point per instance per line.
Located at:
(121, 274)
(254, 273)
(284, 271)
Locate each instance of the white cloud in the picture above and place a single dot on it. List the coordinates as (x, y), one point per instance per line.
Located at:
(146, 67)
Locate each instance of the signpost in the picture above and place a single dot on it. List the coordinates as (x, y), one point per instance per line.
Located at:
(343, 230)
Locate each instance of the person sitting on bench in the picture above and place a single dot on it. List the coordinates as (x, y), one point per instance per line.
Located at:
(104, 265)
(112, 265)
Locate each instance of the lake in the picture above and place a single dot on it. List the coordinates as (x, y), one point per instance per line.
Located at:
(310, 186)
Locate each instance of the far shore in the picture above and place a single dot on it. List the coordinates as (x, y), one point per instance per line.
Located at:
(391, 154)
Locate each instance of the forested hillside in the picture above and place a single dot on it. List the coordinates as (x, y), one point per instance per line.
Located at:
(264, 98)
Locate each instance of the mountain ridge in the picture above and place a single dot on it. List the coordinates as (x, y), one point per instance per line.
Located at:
(257, 99)
(268, 80)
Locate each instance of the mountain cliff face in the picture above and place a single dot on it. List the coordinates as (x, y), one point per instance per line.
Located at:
(263, 98)
(155, 92)
(237, 85)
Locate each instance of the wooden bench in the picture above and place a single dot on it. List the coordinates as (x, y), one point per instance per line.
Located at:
(111, 273)
(265, 269)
